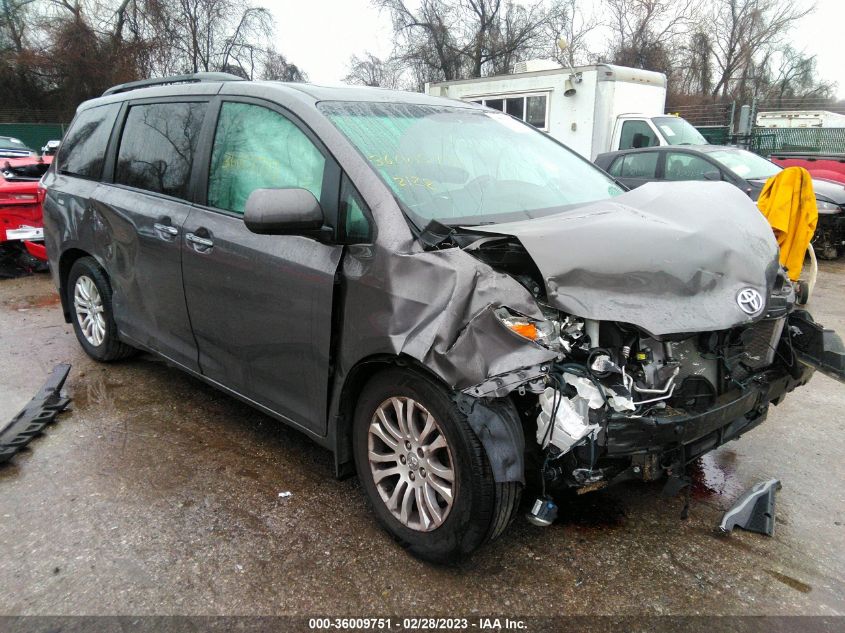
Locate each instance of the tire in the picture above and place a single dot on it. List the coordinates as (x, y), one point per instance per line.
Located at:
(480, 509)
(803, 295)
(102, 345)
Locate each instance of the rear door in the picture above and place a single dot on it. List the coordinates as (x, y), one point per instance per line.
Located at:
(688, 166)
(261, 305)
(636, 168)
(144, 207)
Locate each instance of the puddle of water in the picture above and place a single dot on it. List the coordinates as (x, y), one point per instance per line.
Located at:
(713, 475)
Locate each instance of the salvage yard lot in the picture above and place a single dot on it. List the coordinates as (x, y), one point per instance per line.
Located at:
(157, 494)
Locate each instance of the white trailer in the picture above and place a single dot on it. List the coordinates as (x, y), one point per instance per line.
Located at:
(592, 109)
(800, 118)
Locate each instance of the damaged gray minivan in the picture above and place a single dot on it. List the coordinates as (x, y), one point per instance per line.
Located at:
(451, 301)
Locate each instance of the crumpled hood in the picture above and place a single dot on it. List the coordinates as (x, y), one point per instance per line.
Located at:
(667, 257)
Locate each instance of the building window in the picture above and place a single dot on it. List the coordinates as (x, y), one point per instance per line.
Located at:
(531, 108)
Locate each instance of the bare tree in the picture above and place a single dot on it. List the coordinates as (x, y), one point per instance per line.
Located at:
(694, 73)
(60, 52)
(789, 74)
(743, 30)
(458, 39)
(568, 20)
(370, 70)
(277, 68)
(645, 33)
(13, 24)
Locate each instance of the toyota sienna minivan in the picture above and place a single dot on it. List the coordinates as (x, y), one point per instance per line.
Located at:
(451, 301)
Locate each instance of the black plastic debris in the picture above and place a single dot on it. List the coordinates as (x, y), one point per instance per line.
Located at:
(754, 511)
(15, 261)
(41, 411)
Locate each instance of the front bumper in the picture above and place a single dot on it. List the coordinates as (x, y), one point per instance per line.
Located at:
(804, 347)
(695, 434)
(830, 229)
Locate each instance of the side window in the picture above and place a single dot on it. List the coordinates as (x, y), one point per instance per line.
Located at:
(355, 213)
(158, 145)
(681, 166)
(639, 165)
(637, 134)
(530, 108)
(83, 150)
(615, 168)
(536, 111)
(256, 148)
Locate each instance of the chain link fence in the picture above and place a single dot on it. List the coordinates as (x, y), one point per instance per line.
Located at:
(34, 127)
(766, 141)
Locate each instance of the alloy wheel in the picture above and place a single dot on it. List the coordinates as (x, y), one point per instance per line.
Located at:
(89, 310)
(411, 463)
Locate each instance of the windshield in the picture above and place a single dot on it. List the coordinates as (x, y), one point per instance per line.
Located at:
(467, 166)
(7, 142)
(745, 164)
(678, 131)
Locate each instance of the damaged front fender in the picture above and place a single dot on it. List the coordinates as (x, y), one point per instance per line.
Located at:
(437, 308)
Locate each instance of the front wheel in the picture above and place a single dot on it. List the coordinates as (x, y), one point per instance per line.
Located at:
(425, 471)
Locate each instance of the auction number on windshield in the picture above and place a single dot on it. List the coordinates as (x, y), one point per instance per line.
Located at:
(413, 181)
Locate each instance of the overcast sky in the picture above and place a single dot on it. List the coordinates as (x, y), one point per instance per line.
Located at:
(320, 36)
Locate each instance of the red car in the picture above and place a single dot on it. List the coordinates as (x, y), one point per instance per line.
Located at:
(21, 228)
(827, 166)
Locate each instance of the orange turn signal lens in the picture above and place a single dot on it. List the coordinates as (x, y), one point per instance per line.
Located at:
(528, 330)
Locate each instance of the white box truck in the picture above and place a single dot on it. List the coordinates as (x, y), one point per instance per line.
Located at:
(592, 109)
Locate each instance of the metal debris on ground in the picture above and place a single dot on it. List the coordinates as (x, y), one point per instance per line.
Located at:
(754, 510)
(41, 411)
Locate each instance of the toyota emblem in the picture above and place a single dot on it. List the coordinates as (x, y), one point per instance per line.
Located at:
(750, 301)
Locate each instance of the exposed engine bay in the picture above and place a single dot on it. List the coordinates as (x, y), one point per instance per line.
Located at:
(619, 402)
(609, 374)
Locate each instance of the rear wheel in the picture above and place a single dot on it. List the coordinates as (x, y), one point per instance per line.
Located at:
(424, 470)
(89, 297)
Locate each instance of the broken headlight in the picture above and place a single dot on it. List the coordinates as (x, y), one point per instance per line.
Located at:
(538, 330)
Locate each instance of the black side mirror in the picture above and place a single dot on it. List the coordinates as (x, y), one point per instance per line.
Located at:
(712, 175)
(282, 212)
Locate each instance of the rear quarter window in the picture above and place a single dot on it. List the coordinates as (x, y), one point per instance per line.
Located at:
(83, 150)
(158, 146)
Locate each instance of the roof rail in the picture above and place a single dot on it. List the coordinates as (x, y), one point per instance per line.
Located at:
(175, 79)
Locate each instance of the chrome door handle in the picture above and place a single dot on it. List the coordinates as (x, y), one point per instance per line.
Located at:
(166, 229)
(199, 241)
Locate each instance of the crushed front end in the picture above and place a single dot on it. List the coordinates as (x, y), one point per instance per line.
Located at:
(665, 350)
(620, 403)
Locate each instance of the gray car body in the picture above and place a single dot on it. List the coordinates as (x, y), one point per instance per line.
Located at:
(294, 326)
(395, 302)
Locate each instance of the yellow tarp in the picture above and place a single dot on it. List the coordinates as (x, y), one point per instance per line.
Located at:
(789, 204)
